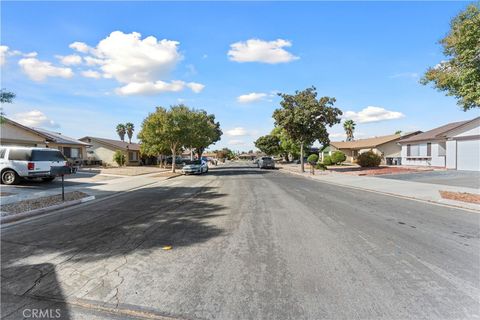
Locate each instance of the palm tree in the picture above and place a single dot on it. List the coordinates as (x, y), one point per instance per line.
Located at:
(129, 127)
(121, 130)
(349, 126)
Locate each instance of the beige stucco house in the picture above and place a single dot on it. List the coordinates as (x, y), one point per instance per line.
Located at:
(15, 134)
(385, 146)
(101, 149)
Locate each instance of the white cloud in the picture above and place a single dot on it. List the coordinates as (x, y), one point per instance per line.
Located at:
(149, 88)
(372, 114)
(80, 47)
(34, 118)
(3, 53)
(236, 142)
(39, 70)
(251, 97)
(6, 52)
(196, 87)
(237, 132)
(256, 50)
(128, 58)
(70, 60)
(91, 74)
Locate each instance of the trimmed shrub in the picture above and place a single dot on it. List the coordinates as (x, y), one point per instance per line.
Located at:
(369, 159)
(313, 158)
(119, 158)
(338, 157)
(327, 160)
(321, 166)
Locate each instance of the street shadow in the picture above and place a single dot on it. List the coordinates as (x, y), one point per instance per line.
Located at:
(139, 221)
(32, 291)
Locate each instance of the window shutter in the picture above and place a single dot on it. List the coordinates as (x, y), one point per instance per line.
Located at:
(408, 150)
(429, 149)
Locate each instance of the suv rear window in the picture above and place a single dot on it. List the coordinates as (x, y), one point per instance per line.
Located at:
(266, 158)
(47, 155)
(20, 154)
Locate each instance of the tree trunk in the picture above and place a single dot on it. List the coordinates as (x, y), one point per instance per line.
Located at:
(174, 158)
(302, 164)
(191, 153)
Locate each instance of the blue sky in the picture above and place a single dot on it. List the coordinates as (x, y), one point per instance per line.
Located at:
(368, 55)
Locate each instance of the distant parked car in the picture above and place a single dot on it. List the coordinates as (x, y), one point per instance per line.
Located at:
(29, 163)
(266, 162)
(195, 167)
(255, 161)
(178, 160)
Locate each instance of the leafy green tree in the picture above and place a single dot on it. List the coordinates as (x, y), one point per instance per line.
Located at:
(121, 131)
(398, 132)
(349, 127)
(164, 129)
(6, 96)
(459, 76)
(269, 144)
(129, 128)
(119, 158)
(204, 131)
(305, 118)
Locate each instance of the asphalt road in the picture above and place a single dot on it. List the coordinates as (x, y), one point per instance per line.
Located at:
(247, 244)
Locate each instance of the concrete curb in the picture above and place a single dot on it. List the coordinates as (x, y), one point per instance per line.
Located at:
(442, 202)
(39, 211)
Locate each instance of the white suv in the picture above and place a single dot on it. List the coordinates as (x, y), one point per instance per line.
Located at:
(24, 162)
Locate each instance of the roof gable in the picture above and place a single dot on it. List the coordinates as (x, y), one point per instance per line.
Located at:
(365, 143)
(122, 145)
(436, 133)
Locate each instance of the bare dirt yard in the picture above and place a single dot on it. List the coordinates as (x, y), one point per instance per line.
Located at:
(461, 196)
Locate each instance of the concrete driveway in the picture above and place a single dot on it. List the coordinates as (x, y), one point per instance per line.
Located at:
(467, 179)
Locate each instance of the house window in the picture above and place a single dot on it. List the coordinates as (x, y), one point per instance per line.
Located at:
(72, 153)
(414, 150)
(419, 150)
(132, 156)
(442, 147)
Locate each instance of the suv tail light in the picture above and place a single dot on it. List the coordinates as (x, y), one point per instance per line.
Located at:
(31, 166)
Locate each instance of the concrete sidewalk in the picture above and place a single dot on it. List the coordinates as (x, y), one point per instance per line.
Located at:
(98, 189)
(408, 189)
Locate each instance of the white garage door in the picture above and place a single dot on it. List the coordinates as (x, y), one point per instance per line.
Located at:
(468, 155)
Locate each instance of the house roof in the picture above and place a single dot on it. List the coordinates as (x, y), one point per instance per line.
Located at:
(436, 133)
(48, 135)
(365, 143)
(116, 143)
(59, 138)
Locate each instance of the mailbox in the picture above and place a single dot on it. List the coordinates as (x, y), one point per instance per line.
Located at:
(60, 171)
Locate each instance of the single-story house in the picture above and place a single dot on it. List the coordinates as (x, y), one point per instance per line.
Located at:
(385, 146)
(103, 150)
(453, 146)
(16, 134)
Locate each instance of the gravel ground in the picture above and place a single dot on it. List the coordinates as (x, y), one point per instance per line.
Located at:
(32, 204)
